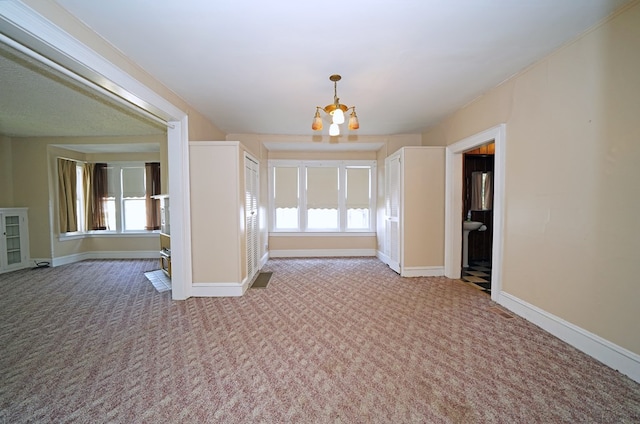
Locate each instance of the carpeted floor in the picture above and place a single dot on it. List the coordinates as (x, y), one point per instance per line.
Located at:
(330, 341)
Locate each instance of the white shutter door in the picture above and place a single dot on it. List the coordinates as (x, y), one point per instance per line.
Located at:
(255, 235)
(251, 215)
(392, 212)
(248, 217)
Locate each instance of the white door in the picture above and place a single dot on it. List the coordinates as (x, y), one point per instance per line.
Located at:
(392, 212)
(251, 216)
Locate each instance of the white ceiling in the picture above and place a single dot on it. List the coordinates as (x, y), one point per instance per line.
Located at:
(263, 66)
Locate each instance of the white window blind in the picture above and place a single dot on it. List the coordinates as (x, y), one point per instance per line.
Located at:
(358, 187)
(285, 181)
(133, 182)
(113, 182)
(322, 188)
(324, 196)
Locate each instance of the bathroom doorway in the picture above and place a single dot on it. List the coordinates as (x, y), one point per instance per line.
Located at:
(454, 204)
(477, 207)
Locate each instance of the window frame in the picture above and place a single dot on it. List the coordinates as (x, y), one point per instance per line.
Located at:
(342, 165)
(118, 199)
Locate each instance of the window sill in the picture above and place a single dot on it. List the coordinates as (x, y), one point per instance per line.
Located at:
(322, 234)
(107, 234)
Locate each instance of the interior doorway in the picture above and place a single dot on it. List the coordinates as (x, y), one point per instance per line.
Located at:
(477, 238)
(454, 204)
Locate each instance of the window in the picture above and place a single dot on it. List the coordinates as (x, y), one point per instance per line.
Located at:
(122, 206)
(322, 196)
(285, 199)
(125, 202)
(358, 197)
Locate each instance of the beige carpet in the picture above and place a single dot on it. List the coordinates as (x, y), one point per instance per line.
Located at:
(330, 341)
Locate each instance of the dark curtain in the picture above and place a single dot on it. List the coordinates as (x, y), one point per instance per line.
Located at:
(99, 192)
(67, 196)
(95, 192)
(153, 188)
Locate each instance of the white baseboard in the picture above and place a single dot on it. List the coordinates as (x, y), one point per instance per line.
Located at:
(219, 289)
(610, 354)
(317, 253)
(77, 257)
(69, 259)
(422, 271)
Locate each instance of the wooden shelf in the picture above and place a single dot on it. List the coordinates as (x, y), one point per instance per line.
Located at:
(165, 253)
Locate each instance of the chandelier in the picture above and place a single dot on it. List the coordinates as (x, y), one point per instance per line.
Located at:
(336, 110)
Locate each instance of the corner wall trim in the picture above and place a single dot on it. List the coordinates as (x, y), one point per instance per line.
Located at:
(264, 259)
(384, 258)
(610, 354)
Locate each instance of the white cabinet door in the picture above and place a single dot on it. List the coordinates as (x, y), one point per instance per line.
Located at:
(392, 212)
(251, 216)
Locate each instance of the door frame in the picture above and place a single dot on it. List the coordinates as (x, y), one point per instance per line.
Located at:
(453, 204)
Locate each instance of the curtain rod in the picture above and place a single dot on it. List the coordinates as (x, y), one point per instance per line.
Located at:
(71, 159)
(82, 80)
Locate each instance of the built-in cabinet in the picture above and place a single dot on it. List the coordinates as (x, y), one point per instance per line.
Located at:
(413, 231)
(165, 234)
(14, 239)
(224, 181)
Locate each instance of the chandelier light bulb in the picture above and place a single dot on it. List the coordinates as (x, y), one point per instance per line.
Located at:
(334, 129)
(338, 116)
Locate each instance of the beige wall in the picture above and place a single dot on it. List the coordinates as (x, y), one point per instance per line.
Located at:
(201, 128)
(217, 224)
(128, 243)
(31, 190)
(6, 173)
(423, 207)
(297, 243)
(572, 173)
(288, 155)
